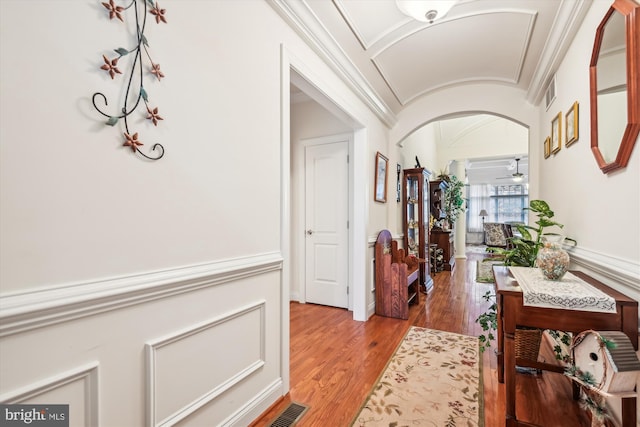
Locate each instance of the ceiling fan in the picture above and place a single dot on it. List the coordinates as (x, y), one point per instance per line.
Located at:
(517, 176)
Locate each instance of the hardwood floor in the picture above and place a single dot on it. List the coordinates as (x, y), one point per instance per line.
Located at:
(335, 361)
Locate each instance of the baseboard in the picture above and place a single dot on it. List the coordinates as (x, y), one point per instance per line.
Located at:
(256, 406)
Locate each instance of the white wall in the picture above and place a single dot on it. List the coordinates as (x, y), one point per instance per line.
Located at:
(489, 136)
(76, 205)
(421, 143)
(119, 273)
(104, 254)
(115, 270)
(140, 291)
(600, 211)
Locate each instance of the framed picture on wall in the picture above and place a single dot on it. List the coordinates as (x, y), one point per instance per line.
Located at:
(547, 147)
(382, 166)
(571, 123)
(398, 171)
(556, 133)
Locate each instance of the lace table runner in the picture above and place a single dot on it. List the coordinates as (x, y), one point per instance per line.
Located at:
(571, 292)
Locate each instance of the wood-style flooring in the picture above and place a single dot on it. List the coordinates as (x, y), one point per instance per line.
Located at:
(334, 360)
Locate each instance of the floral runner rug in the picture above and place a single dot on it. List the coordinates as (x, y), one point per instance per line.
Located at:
(484, 272)
(433, 379)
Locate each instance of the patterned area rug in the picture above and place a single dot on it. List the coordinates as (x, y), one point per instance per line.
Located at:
(433, 379)
(484, 273)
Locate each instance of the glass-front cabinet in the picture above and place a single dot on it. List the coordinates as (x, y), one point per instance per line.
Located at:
(416, 209)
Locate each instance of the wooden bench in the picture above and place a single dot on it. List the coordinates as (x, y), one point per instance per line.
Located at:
(397, 278)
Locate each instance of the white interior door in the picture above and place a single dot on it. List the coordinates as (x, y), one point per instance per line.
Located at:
(326, 223)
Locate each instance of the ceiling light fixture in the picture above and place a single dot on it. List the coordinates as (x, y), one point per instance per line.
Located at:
(425, 10)
(517, 177)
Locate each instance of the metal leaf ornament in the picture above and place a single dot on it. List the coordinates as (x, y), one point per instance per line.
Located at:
(141, 61)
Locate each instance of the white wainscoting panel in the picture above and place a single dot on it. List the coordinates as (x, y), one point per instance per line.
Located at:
(190, 368)
(190, 346)
(37, 309)
(77, 388)
(620, 274)
(625, 272)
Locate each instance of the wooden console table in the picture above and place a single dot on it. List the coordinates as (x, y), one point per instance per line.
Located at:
(511, 313)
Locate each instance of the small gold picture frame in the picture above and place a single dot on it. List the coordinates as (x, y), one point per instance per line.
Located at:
(556, 133)
(547, 147)
(571, 123)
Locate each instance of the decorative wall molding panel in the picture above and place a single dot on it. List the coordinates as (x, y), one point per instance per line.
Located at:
(35, 309)
(85, 377)
(621, 271)
(180, 380)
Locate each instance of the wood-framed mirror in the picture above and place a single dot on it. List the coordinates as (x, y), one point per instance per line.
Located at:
(614, 74)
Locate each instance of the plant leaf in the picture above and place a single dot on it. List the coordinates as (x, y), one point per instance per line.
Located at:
(121, 51)
(143, 94)
(112, 121)
(541, 206)
(144, 40)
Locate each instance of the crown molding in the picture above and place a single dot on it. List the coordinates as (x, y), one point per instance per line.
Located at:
(570, 15)
(306, 24)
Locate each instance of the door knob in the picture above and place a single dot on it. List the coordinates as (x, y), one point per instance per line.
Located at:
(309, 232)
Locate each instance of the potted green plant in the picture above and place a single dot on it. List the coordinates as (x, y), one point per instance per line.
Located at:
(453, 200)
(523, 251)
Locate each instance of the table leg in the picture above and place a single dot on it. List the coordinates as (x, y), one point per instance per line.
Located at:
(510, 377)
(629, 412)
(500, 338)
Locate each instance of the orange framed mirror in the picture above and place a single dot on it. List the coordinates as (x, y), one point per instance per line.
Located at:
(614, 73)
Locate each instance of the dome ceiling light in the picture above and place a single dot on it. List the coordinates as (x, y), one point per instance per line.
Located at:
(425, 10)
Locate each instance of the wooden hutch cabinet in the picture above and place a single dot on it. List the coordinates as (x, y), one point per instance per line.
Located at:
(437, 190)
(442, 238)
(416, 208)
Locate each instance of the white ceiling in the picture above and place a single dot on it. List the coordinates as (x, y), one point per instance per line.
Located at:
(392, 60)
(498, 170)
(493, 41)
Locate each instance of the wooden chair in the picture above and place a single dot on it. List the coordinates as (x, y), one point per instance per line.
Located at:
(397, 278)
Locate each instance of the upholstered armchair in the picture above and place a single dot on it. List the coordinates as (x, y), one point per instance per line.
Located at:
(496, 234)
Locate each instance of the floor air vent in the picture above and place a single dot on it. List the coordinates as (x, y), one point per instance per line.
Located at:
(290, 416)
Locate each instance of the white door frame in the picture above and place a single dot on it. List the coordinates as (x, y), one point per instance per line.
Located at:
(326, 95)
(358, 203)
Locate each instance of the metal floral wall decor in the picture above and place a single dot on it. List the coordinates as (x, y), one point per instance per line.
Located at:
(141, 65)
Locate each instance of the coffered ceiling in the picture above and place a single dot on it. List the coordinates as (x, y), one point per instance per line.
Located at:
(397, 59)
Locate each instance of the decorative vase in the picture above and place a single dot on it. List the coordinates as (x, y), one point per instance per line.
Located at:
(552, 260)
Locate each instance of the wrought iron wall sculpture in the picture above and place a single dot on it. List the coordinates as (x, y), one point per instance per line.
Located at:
(138, 66)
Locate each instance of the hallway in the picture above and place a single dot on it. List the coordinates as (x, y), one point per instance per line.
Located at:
(335, 360)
